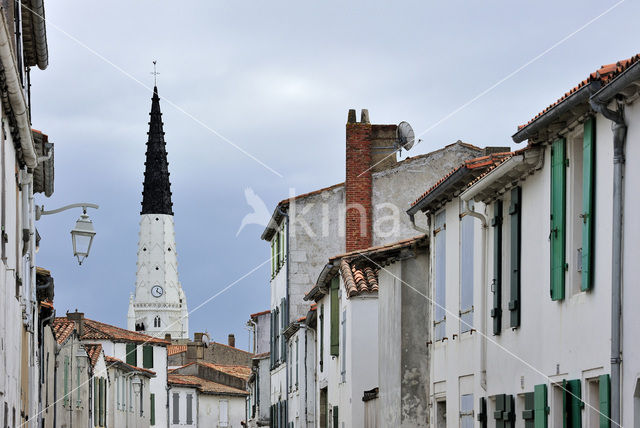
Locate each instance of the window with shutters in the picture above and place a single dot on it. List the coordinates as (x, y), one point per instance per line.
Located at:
(279, 250)
(540, 406)
(466, 271)
(440, 275)
(96, 395)
(466, 411)
(276, 338)
(557, 230)
(504, 412)
(597, 396)
(567, 404)
(574, 147)
(147, 356)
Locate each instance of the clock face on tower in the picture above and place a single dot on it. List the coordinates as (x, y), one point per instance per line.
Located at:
(156, 291)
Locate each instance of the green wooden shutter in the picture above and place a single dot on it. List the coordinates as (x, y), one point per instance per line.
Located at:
(96, 400)
(557, 235)
(283, 326)
(152, 409)
(336, 420)
(588, 197)
(515, 216)
(101, 402)
(541, 409)
(66, 381)
(482, 412)
(605, 403)
(509, 411)
(273, 259)
(132, 354)
(499, 411)
(496, 311)
(147, 356)
(528, 413)
(572, 403)
(272, 333)
(335, 317)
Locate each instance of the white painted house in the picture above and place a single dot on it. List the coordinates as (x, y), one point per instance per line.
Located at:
(306, 230)
(526, 330)
(26, 169)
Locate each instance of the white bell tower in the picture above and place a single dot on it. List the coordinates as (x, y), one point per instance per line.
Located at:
(158, 306)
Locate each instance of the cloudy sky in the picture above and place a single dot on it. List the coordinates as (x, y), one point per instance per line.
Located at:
(276, 79)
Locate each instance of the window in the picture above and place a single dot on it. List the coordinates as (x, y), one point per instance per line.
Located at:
(156, 321)
(223, 413)
(466, 411)
(514, 260)
(324, 408)
(598, 396)
(279, 249)
(441, 414)
(147, 356)
(96, 396)
(176, 408)
(78, 396)
(189, 409)
(440, 273)
(567, 404)
(117, 384)
(343, 357)
(504, 414)
(466, 271)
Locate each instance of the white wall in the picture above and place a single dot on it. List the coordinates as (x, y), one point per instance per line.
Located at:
(209, 410)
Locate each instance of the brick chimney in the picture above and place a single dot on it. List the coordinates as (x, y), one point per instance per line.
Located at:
(369, 148)
(232, 340)
(78, 319)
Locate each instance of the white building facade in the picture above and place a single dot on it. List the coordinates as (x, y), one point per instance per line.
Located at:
(526, 330)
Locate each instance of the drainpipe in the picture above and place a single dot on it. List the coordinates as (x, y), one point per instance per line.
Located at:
(412, 219)
(619, 129)
(483, 297)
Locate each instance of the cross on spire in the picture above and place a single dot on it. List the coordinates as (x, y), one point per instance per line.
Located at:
(155, 74)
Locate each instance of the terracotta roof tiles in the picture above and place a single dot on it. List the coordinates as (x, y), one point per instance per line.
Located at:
(112, 361)
(242, 372)
(204, 385)
(176, 349)
(604, 75)
(95, 330)
(93, 352)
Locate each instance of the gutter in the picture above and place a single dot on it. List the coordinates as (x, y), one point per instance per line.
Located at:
(16, 95)
(581, 96)
(599, 102)
(40, 32)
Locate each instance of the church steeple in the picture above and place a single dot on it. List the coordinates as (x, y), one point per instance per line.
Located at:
(156, 193)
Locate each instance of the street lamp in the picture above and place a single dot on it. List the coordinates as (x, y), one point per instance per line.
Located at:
(82, 235)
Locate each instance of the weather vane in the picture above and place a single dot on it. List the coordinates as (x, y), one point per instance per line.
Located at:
(155, 74)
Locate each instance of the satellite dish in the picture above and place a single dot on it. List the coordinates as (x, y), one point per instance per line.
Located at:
(405, 136)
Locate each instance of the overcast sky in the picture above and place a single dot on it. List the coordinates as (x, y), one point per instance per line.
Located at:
(276, 79)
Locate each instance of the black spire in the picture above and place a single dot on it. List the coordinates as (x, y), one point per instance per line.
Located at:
(156, 193)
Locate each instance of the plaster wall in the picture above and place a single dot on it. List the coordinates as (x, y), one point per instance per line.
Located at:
(182, 408)
(209, 410)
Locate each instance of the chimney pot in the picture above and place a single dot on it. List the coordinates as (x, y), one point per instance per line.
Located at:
(351, 117)
(167, 337)
(197, 337)
(232, 340)
(364, 116)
